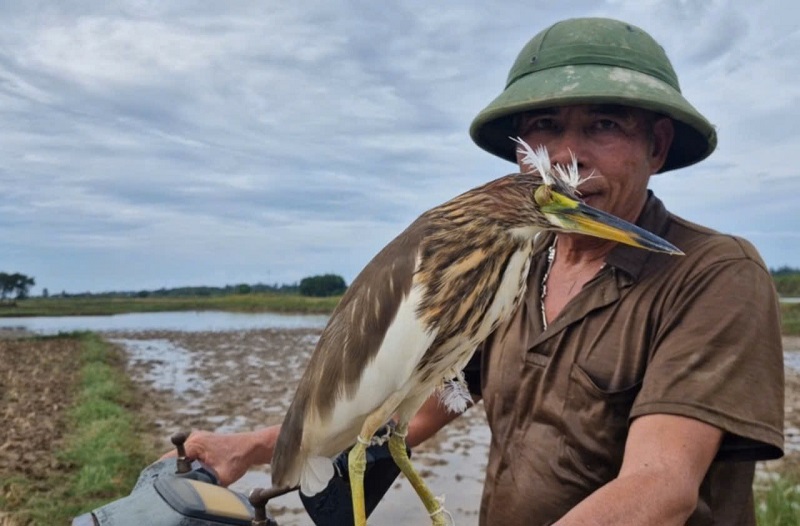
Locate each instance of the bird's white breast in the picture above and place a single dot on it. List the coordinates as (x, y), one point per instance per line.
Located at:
(403, 346)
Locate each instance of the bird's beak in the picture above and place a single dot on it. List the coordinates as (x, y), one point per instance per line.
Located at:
(570, 215)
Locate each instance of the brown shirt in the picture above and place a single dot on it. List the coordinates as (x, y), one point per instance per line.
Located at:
(696, 336)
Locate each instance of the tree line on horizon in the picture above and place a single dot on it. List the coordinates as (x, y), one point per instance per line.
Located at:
(787, 282)
(315, 286)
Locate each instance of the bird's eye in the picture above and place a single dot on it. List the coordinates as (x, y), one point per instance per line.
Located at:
(543, 195)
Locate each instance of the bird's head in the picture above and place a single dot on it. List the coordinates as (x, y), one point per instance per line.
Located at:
(556, 201)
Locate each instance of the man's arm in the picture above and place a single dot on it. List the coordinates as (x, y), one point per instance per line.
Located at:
(666, 459)
(430, 418)
(230, 455)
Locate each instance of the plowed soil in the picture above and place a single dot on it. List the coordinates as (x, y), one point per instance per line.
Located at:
(36, 381)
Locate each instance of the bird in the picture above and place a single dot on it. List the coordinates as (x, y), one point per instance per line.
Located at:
(413, 317)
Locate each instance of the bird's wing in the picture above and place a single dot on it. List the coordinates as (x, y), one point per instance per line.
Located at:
(378, 304)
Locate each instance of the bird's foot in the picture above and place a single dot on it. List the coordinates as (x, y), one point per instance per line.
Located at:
(434, 505)
(379, 439)
(357, 465)
(440, 516)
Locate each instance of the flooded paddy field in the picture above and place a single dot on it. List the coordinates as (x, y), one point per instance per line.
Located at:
(242, 380)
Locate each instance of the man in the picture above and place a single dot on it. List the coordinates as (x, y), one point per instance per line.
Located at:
(622, 391)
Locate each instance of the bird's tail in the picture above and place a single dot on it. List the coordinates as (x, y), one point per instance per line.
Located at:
(291, 465)
(288, 457)
(284, 468)
(311, 473)
(316, 473)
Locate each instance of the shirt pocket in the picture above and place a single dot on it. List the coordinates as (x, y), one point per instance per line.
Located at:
(595, 427)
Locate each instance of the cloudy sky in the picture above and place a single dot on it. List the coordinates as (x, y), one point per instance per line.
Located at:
(150, 144)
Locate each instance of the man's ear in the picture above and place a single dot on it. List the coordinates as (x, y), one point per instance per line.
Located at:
(663, 133)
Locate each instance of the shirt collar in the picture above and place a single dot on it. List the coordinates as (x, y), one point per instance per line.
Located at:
(631, 260)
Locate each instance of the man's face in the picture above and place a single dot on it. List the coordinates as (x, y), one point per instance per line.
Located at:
(619, 147)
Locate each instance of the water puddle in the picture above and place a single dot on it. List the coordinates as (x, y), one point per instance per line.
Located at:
(163, 365)
(792, 360)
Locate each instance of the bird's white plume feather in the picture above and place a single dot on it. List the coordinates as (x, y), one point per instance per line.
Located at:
(539, 160)
(454, 394)
(569, 174)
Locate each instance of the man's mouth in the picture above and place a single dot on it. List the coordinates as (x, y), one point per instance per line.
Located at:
(589, 197)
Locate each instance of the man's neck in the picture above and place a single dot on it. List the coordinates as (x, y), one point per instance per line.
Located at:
(579, 251)
(577, 259)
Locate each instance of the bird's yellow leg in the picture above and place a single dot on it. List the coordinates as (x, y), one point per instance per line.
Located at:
(357, 465)
(357, 458)
(397, 448)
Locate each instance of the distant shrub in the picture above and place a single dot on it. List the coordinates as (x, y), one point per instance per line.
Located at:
(322, 286)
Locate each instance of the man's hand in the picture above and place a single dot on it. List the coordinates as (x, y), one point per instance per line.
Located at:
(231, 455)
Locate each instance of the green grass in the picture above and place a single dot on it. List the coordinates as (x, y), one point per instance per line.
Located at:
(257, 302)
(790, 319)
(103, 452)
(779, 503)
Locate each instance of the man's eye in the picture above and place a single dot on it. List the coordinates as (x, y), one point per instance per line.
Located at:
(538, 125)
(543, 124)
(606, 124)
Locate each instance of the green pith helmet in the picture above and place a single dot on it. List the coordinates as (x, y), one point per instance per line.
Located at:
(594, 61)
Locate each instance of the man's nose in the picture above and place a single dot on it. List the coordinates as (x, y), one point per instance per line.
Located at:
(565, 146)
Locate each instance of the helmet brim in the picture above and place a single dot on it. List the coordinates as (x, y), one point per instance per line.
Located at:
(695, 137)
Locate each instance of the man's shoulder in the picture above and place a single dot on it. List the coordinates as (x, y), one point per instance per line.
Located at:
(704, 244)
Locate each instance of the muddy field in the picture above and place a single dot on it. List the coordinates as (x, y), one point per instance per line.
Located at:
(234, 381)
(34, 383)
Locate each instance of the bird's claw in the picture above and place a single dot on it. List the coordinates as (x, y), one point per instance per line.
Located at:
(440, 516)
